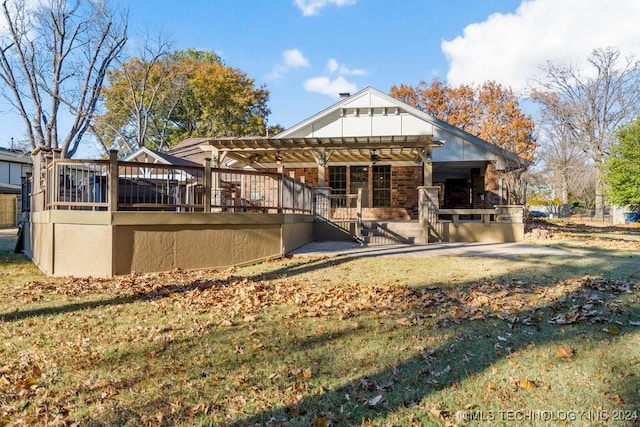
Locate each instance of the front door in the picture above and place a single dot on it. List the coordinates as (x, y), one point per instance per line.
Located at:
(359, 178)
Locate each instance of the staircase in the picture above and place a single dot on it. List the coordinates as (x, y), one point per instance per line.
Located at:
(392, 232)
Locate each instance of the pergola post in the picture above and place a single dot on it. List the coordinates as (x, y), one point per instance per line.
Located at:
(321, 175)
(428, 174)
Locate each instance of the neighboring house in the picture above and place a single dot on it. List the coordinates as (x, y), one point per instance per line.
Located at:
(376, 143)
(14, 165)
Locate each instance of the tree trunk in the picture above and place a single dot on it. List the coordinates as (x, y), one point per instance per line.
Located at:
(599, 200)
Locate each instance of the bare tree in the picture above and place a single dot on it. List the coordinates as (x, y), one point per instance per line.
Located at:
(136, 90)
(566, 165)
(590, 105)
(56, 55)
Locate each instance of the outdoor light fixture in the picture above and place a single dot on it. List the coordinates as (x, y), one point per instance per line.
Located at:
(278, 158)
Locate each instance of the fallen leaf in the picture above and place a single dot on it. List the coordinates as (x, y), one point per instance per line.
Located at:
(612, 330)
(36, 372)
(615, 398)
(564, 352)
(319, 422)
(374, 400)
(403, 322)
(306, 374)
(526, 384)
(4, 382)
(438, 413)
(249, 318)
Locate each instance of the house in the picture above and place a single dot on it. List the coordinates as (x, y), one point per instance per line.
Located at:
(14, 166)
(369, 168)
(381, 146)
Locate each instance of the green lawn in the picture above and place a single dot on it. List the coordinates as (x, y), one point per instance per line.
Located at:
(331, 341)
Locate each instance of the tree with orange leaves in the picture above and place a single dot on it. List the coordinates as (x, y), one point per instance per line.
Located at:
(491, 112)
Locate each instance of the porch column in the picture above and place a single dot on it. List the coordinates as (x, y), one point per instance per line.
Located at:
(428, 173)
(427, 166)
(321, 175)
(322, 158)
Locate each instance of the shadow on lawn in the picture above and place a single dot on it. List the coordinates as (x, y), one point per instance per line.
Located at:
(476, 346)
(469, 349)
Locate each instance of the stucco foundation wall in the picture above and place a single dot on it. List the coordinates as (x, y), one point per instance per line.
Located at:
(149, 248)
(471, 232)
(103, 244)
(297, 231)
(82, 250)
(71, 243)
(40, 243)
(160, 241)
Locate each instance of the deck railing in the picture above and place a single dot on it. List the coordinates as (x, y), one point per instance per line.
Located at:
(125, 186)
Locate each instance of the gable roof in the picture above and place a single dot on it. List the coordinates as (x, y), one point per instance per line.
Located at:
(15, 156)
(349, 131)
(144, 154)
(371, 102)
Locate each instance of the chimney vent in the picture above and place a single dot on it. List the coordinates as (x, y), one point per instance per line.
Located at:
(344, 95)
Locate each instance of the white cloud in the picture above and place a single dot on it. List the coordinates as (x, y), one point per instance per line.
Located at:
(291, 58)
(326, 86)
(313, 7)
(511, 48)
(334, 66)
(333, 86)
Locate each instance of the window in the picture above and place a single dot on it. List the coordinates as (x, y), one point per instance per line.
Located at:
(338, 184)
(338, 179)
(382, 186)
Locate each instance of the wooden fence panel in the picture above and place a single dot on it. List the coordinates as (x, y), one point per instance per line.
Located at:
(8, 210)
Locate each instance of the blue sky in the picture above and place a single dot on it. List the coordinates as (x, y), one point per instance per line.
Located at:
(306, 60)
(308, 51)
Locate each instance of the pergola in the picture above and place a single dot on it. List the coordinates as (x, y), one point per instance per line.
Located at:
(295, 152)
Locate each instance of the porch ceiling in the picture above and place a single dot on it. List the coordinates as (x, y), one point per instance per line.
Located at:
(297, 152)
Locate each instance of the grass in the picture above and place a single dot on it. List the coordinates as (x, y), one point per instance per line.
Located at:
(331, 341)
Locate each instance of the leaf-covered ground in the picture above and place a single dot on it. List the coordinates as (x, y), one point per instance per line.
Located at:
(331, 341)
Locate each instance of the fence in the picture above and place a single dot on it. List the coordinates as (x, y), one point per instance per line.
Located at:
(8, 210)
(93, 185)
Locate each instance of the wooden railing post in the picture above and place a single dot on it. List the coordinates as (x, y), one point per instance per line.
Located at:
(206, 183)
(359, 214)
(281, 192)
(292, 190)
(113, 180)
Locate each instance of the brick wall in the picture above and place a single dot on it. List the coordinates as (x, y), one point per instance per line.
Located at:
(405, 181)
(310, 174)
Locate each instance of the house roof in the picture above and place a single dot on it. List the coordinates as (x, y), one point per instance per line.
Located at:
(10, 188)
(15, 156)
(144, 154)
(351, 131)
